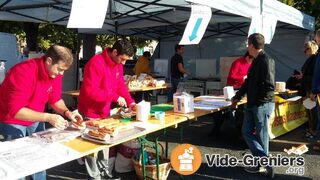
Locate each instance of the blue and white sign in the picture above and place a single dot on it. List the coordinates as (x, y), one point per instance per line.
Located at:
(197, 24)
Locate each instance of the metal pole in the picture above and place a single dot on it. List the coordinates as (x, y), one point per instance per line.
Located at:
(157, 158)
(143, 159)
(261, 11)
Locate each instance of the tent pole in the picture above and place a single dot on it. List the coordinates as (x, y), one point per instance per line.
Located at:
(261, 11)
(116, 29)
(78, 47)
(159, 45)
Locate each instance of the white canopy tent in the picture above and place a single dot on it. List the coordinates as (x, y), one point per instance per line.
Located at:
(249, 8)
(165, 20)
(154, 19)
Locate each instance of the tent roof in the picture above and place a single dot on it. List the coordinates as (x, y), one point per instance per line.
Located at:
(157, 18)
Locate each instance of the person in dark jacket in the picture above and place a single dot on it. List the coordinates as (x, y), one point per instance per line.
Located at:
(177, 70)
(306, 77)
(259, 87)
(316, 77)
(315, 95)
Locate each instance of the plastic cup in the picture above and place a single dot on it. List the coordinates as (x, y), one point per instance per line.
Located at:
(160, 115)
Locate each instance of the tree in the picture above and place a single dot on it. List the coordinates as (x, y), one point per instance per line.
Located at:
(139, 42)
(13, 28)
(105, 40)
(44, 35)
(50, 34)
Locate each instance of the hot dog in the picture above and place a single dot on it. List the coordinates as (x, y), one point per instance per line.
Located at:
(79, 124)
(103, 122)
(99, 135)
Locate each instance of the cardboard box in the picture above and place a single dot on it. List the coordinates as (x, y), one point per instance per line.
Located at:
(183, 103)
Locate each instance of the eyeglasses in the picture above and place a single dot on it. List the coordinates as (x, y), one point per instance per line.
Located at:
(305, 50)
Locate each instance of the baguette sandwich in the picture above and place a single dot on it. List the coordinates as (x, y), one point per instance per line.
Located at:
(79, 124)
(97, 134)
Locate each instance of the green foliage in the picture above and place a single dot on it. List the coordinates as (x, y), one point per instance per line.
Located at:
(50, 34)
(106, 40)
(139, 42)
(13, 28)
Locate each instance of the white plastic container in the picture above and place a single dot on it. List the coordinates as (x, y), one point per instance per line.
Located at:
(228, 92)
(281, 86)
(143, 111)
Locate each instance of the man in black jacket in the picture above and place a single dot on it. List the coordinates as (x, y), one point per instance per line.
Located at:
(259, 87)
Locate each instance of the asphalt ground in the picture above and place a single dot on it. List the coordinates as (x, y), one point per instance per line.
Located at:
(228, 141)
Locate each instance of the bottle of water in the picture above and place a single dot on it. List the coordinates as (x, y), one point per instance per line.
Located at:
(2, 70)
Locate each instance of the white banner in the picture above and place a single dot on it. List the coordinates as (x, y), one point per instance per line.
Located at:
(88, 14)
(264, 24)
(197, 24)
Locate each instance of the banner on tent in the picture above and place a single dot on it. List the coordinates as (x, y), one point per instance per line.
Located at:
(87, 14)
(264, 24)
(287, 116)
(197, 24)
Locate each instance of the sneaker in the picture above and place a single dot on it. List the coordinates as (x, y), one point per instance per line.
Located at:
(270, 171)
(256, 169)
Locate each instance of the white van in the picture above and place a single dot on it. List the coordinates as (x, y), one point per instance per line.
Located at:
(9, 50)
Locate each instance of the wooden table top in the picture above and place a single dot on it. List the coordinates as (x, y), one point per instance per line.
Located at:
(288, 92)
(86, 147)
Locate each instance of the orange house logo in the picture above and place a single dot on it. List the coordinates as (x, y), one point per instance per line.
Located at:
(186, 159)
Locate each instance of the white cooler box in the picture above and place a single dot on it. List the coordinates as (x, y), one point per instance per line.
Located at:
(183, 103)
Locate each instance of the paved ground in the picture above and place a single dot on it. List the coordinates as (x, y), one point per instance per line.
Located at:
(198, 133)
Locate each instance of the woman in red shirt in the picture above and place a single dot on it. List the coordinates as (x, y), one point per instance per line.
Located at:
(239, 70)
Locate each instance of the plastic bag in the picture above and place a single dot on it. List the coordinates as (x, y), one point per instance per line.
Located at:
(125, 151)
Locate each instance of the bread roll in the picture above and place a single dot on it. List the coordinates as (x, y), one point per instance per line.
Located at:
(99, 135)
(103, 122)
(79, 124)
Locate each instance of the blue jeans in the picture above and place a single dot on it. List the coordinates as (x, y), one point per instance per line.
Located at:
(14, 131)
(256, 119)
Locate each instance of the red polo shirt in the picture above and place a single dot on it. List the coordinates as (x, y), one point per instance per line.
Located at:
(238, 70)
(27, 84)
(102, 84)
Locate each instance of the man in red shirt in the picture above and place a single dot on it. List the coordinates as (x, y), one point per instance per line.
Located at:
(239, 70)
(103, 83)
(26, 89)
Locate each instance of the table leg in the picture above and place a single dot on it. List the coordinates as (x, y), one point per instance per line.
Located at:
(166, 141)
(157, 158)
(181, 133)
(143, 162)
